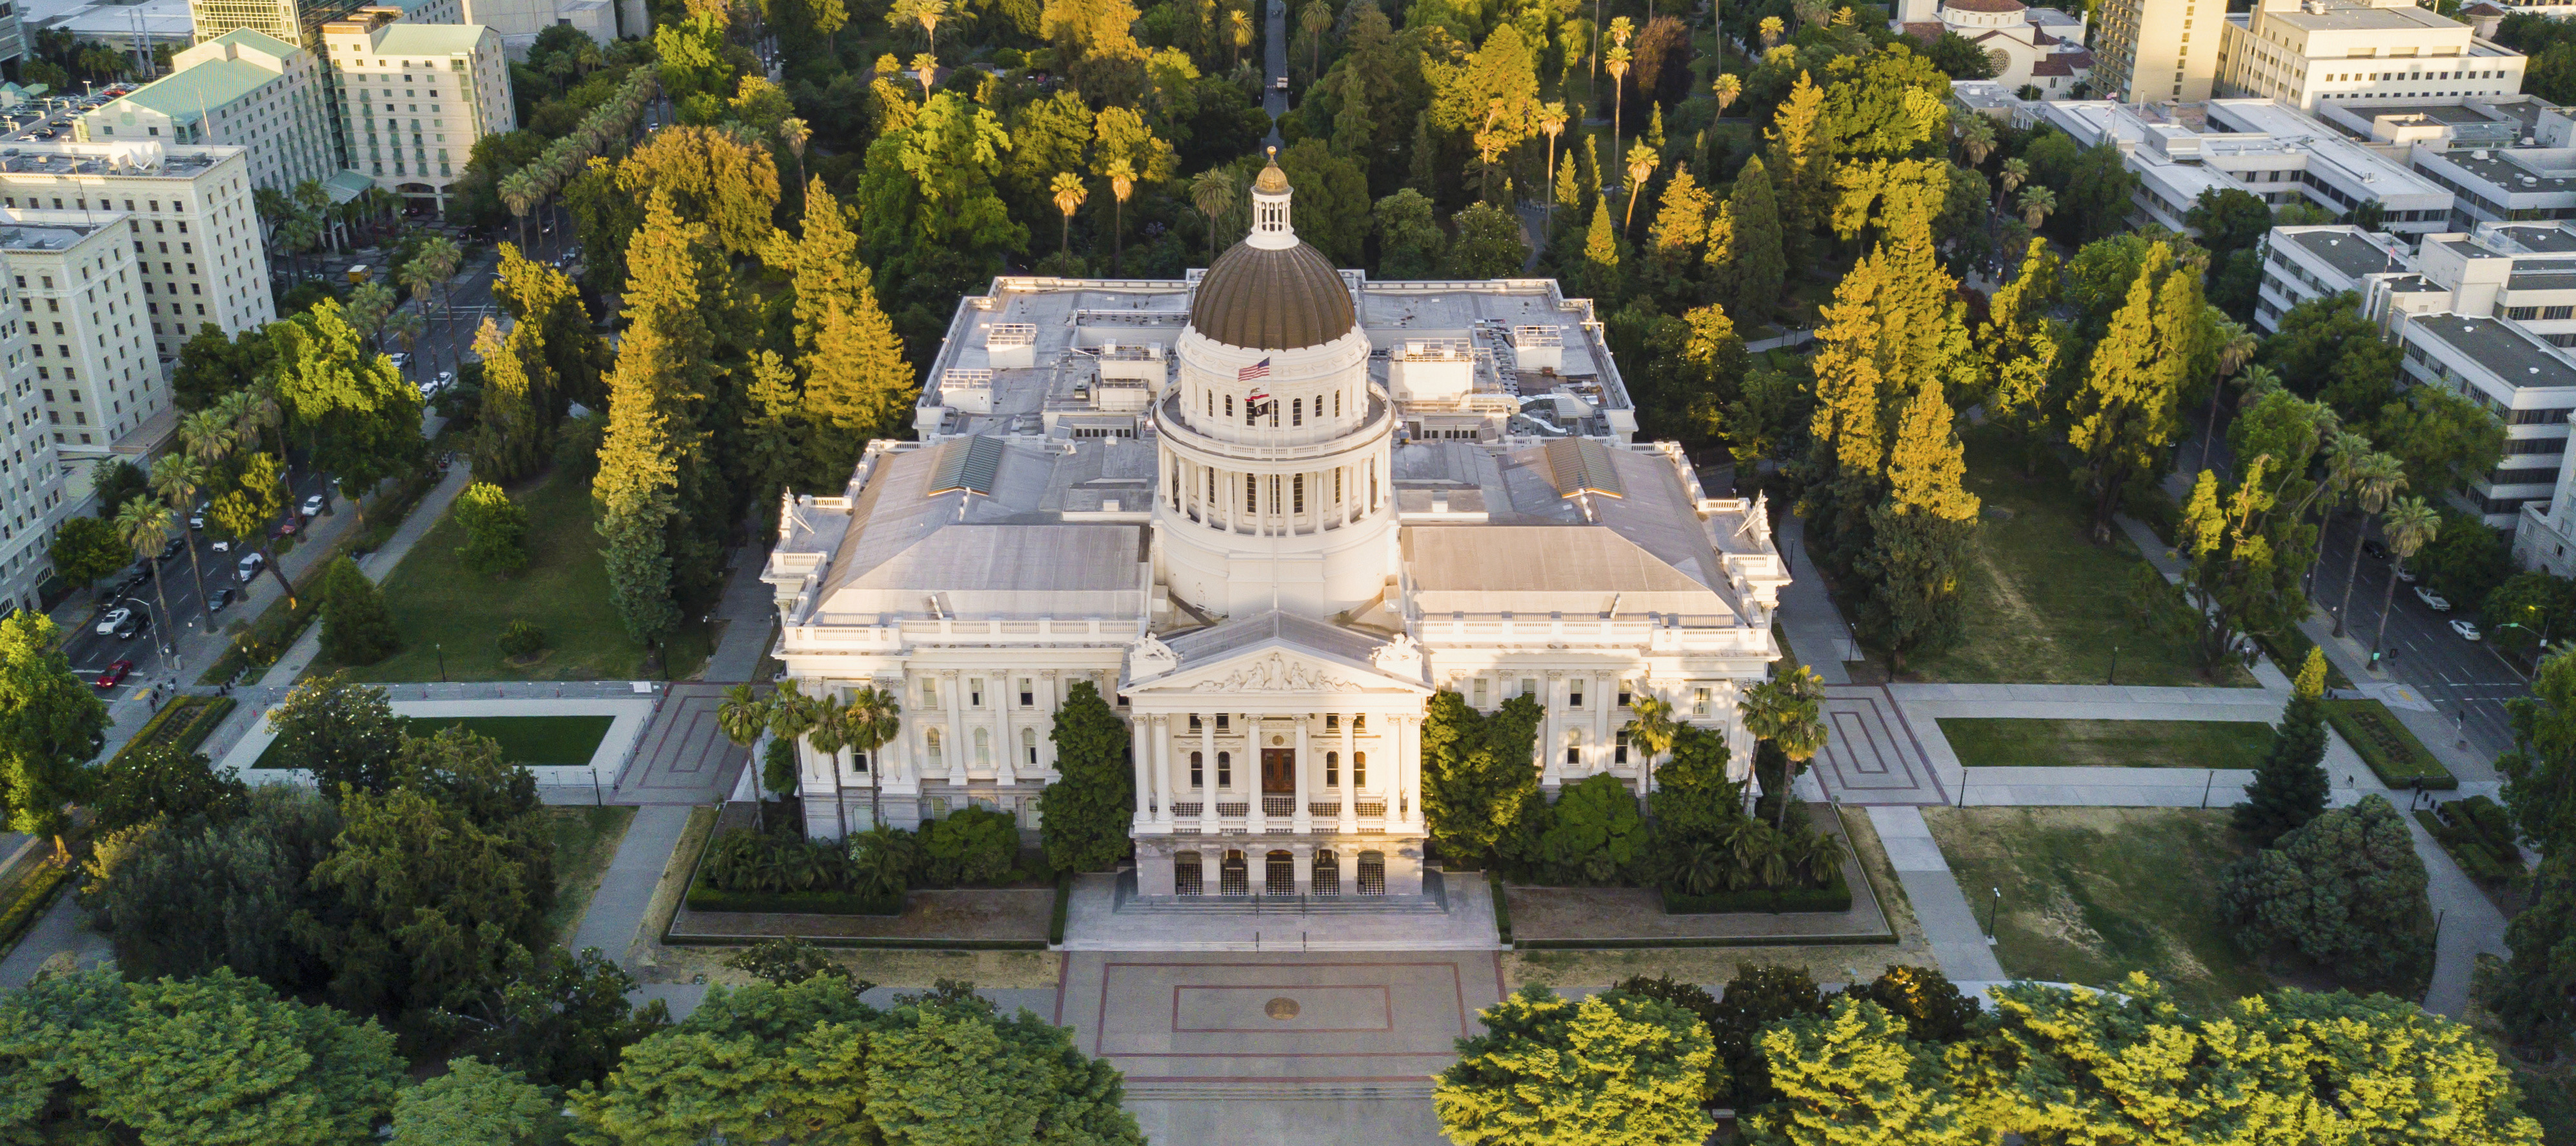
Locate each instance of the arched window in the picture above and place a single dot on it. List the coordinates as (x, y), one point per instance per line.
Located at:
(1211, 403)
(1372, 873)
(1296, 411)
(1229, 405)
(1185, 873)
(1337, 403)
(1359, 769)
(1332, 769)
(1029, 745)
(1225, 770)
(1198, 770)
(1327, 877)
(983, 747)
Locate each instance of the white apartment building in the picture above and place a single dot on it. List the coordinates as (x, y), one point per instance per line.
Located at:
(2307, 52)
(31, 473)
(2305, 263)
(244, 88)
(187, 211)
(80, 299)
(416, 98)
(2148, 51)
(2263, 148)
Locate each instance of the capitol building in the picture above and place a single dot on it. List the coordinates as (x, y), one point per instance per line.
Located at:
(1267, 510)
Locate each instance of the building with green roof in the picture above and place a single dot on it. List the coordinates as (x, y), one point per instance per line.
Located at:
(244, 88)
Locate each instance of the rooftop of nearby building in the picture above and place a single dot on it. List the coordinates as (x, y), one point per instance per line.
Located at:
(2343, 16)
(2344, 249)
(2156, 136)
(112, 20)
(1068, 332)
(399, 38)
(41, 231)
(190, 95)
(136, 159)
(2538, 238)
(2519, 169)
(2502, 347)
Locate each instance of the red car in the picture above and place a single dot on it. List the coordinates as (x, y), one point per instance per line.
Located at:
(115, 674)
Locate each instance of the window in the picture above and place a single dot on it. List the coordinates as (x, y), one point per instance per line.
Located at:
(1627, 694)
(1619, 749)
(1223, 720)
(1251, 493)
(1194, 722)
(1574, 694)
(930, 743)
(1332, 722)
(974, 692)
(1359, 769)
(1297, 412)
(1224, 770)
(1699, 702)
(1529, 686)
(1480, 692)
(1297, 494)
(1332, 769)
(929, 692)
(1029, 746)
(983, 748)
(1028, 696)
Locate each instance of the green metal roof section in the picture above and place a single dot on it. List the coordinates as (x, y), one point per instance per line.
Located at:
(210, 85)
(256, 40)
(346, 185)
(399, 39)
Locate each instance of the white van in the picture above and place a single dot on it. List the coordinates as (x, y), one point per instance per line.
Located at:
(250, 565)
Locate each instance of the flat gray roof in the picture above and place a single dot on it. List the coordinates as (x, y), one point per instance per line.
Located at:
(2350, 254)
(2513, 354)
(2546, 238)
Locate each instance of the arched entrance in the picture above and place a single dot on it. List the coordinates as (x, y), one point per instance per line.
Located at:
(1279, 873)
(1372, 873)
(1232, 878)
(1185, 873)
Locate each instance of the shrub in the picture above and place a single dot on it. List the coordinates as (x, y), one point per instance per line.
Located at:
(779, 861)
(971, 846)
(2346, 890)
(356, 629)
(496, 530)
(1597, 836)
(1932, 1007)
(522, 638)
(778, 767)
(1701, 1005)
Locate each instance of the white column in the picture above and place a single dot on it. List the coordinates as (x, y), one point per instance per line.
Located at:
(1347, 787)
(1408, 787)
(1162, 734)
(1007, 769)
(959, 745)
(1144, 781)
(1605, 697)
(1207, 772)
(1548, 748)
(1256, 819)
(1303, 818)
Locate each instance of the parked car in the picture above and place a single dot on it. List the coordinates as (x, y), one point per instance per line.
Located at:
(313, 505)
(402, 361)
(2467, 631)
(115, 674)
(285, 529)
(133, 625)
(197, 516)
(115, 617)
(2373, 547)
(250, 565)
(221, 546)
(176, 546)
(2406, 576)
(216, 600)
(2432, 600)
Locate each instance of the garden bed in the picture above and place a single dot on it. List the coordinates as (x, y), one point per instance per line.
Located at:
(1833, 897)
(2479, 837)
(1540, 917)
(2390, 748)
(184, 723)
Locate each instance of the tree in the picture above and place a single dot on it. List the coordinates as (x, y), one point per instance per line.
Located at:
(2410, 525)
(1594, 834)
(511, 431)
(1599, 275)
(1085, 814)
(51, 724)
(1851, 1077)
(342, 732)
(2124, 410)
(86, 549)
(213, 364)
(640, 460)
(356, 629)
(858, 386)
(1788, 711)
(559, 1018)
(1920, 539)
(473, 1104)
(2290, 787)
(2346, 890)
(1331, 194)
(1068, 194)
(1932, 1008)
(1479, 775)
(177, 478)
(188, 896)
(163, 782)
(789, 960)
(496, 531)
(1409, 242)
(1490, 244)
(219, 1060)
(2373, 480)
(2534, 996)
(360, 418)
(1613, 1069)
(1752, 265)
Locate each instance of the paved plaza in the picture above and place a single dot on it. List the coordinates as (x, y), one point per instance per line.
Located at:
(684, 757)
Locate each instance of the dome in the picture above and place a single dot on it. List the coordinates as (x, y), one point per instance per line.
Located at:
(1272, 299)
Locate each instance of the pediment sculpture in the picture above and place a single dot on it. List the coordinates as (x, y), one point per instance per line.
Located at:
(1149, 657)
(1276, 673)
(1401, 657)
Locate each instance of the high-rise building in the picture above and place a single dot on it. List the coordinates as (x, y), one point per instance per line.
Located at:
(417, 97)
(2146, 51)
(187, 212)
(31, 475)
(300, 22)
(519, 21)
(80, 299)
(244, 88)
(2303, 51)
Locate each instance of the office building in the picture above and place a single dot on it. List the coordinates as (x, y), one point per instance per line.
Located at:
(32, 477)
(244, 88)
(2308, 52)
(80, 297)
(187, 211)
(417, 97)
(2147, 51)
(2263, 148)
(519, 21)
(2041, 48)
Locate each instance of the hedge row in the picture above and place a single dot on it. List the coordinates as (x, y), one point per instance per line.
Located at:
(1835, 896)
(28, 898)
(184, 724)
(2479, 836)
(2385, 743)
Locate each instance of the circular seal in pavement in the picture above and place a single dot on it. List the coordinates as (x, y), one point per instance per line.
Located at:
(1282, 1009)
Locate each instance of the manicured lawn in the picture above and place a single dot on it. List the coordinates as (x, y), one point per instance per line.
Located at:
(451, 619)
(585, 839)
(536, 741)
(2004, 742)
(2045, 604)
(2091, 894)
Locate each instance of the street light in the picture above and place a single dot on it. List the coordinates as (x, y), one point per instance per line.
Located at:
(2115, 666)
(442, 660)
(1993, 906)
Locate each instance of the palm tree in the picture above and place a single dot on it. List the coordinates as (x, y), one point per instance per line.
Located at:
(1976, 139)
(1618, 75)
(1069, 194)
(1551, 120)
(2016, 171)
(872, 721)
(429, 269)
(206, 436)
(144, 524)
(1315, 20)
(1213, 192)
(1772, 27)
(406, 327)
(1729, 87)
(1122, 182)
(794, 131)
(1238, 26)
(1653, 731)
(829, 732)
(2036, 203)
(1788, 712)
(177, 480)
(926, 67)
(1641, 163)
(519, 194)
(2375, 480)
(2235, 348)
(2411, 525)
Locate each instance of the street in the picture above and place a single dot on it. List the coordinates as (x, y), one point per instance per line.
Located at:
(90, 651)
(2456, 675)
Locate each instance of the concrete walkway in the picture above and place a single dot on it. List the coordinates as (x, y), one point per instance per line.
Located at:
(2168, 563)
(1958, 940)
(615, 918)
(750, 613)
(377, 566)
(1817, 635)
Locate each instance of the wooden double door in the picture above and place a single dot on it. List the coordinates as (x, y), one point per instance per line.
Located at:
(1278, 771)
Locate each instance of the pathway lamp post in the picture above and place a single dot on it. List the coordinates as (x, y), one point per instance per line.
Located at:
(1992, 906)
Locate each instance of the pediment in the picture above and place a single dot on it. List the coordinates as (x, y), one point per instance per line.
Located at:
(1277, 668)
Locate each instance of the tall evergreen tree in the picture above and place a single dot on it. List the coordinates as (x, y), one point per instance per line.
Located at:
(2290, 788)
(822, 263)
(857, 384)
(1085, 814)
(660, 366)
(51, 724)
(1755, 265)
(1601, 255)
(1920, 538)
(774, 436)
(511, 435)
(2019, 344)
(356, 630)
(576, 360)
(1846, 433)
(1802, 163)
(2127, 405)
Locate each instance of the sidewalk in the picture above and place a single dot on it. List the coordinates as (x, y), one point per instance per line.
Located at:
(1958, 941)
(749, 610)
(1817, 634)
(616, 913)
(377, 566)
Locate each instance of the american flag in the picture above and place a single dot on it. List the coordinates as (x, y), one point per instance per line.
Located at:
(1259, 369)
